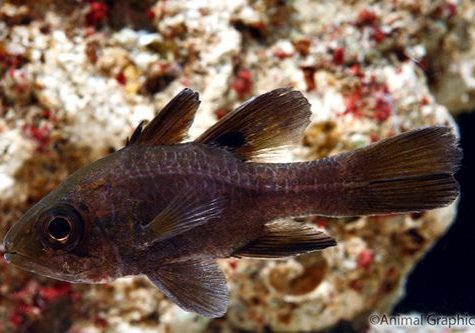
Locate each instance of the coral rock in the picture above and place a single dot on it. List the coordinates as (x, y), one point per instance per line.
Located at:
(72, 92)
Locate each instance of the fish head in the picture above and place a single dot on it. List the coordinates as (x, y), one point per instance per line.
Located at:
(60, 237)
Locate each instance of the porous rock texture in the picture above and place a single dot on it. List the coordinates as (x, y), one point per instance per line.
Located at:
(77, 76)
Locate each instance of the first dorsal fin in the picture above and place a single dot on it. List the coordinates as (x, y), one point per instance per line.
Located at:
(171, 124)
(261, 125)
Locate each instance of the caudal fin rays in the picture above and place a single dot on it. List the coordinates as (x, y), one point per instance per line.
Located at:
(413, 171)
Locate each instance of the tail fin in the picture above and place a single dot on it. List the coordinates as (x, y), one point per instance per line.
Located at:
(413, 171)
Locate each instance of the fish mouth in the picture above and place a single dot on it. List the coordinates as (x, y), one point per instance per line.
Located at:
(23, 262)
(15, 258)
(8, 257)
(26, 263)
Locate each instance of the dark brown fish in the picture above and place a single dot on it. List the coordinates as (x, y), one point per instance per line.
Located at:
(169, 209)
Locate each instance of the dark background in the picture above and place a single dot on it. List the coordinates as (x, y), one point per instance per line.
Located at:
(444, 281)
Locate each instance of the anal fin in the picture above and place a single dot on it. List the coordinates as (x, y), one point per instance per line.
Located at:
(286, 239)
(196, 285)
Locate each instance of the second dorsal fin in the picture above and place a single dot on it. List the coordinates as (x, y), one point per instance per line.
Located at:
(171, 124)
(272, 120)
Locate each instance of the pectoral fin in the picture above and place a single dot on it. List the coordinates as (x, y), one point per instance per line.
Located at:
(285, 239)
(171, 124)
(195, 285)
(262, 126)
(185, 212)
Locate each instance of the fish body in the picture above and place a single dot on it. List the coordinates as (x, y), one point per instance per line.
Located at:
(169, 209)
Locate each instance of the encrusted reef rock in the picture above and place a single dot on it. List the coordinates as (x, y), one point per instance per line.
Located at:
(77, 76)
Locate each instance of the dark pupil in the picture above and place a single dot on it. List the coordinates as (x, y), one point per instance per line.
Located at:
(59, 228)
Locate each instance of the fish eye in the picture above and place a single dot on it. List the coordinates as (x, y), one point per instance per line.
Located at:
(61, 227)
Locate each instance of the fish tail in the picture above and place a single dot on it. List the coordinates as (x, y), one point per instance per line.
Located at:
(410, 172)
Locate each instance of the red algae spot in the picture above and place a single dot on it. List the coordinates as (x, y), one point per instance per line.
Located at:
(369, 98)
(121, 79)
(24, 309)
(373, 137)
(366, 17)
(17, 318)
(302, 46)
(221, 112)
(450, 9)
(356, 285)
(378, 35)
(356, 70)
(41, 134)
(308, 76)
(383, 105)
(232, 263)
(258, 25)
(56, 291)
(20, 81)
(339, 56)
(12, 61)
(11, 72)
(242, 84)
(281, 54)
(185, 82)
(365, 258)
(47, 114)
(91, 52)
(100, 321)
(32, 298)
(97, 13)
(150, 14)
(353, 103)
(89, 31)
(445, 11)
(321, 222)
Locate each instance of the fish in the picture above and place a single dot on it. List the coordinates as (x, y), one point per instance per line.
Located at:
(168, 209)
